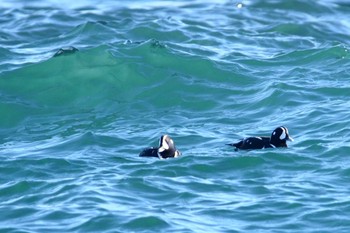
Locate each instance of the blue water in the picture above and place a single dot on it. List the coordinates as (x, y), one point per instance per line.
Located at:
(205, 72)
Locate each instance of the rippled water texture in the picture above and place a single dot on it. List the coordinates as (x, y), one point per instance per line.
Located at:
(205, 72)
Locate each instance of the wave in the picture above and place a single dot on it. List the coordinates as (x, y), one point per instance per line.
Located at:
(108, 76)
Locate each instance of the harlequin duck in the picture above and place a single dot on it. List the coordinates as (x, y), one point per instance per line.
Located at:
(279, 138)
(165, 150)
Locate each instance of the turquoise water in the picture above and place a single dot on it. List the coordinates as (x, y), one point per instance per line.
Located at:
(205, 72)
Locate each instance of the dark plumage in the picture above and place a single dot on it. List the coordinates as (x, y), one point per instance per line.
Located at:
(279, 138)
(65, 51)
(165, 150)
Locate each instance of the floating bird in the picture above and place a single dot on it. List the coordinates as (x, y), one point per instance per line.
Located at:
(279, 138)
(165, 150)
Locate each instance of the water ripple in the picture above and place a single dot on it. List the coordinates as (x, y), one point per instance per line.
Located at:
(207, 73)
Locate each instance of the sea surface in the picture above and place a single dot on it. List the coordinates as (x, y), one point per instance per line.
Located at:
(86, 85)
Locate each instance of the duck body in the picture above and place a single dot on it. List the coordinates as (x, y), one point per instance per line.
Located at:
(252, 143)
(149, 152)
(166, 149)
(279, 138)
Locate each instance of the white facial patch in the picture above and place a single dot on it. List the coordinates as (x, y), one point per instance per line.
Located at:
(161, 149)
(283, 135)
(164, 146)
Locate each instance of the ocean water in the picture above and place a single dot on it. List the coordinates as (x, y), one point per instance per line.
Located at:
(205, 72)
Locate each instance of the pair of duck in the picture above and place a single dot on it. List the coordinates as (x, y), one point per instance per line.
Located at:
(167, 149)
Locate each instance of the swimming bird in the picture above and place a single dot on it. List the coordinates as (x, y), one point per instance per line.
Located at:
(65, 51)
(279, 138)
(165, 150)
